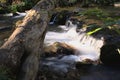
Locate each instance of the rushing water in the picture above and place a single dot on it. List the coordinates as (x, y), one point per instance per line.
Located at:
(86, 47)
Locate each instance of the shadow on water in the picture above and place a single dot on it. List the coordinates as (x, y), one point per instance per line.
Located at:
(99, 72)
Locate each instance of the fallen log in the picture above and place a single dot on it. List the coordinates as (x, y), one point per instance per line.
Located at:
(25, 45)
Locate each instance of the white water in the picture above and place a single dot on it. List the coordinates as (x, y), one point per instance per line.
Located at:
(54, 19)
(22, 14)
(86, 47)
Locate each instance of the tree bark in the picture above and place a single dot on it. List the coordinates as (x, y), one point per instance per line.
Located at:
(25, 45)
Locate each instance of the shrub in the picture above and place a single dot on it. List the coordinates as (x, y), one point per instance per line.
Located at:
(16, 7)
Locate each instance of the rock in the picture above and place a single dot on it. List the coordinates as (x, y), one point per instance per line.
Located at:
(60, 17)
(74, 21)
(110, 54)
(58, 48)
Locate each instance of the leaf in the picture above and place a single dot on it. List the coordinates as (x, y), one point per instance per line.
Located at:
(94, 31)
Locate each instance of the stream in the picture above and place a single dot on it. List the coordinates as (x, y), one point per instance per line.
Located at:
(86, 47)
(7, 24)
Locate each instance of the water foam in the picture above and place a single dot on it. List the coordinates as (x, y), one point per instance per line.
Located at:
(87, 48)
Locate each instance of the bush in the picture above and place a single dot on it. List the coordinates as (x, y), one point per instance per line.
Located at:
(16, 7)
(21, 6)
(29, 4)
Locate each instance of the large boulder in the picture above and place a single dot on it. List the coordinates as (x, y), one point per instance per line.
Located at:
(58, 48)
(110, 54)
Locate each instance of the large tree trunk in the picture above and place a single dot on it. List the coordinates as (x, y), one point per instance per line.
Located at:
(25, 45)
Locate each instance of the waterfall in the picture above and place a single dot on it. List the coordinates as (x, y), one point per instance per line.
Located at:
(53, 19)
(83, 43)
(87, 47)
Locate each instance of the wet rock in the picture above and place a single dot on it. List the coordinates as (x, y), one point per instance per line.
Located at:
(74, 21)
(110, 54)
(58, 48)
(60, 18)
(61, 15)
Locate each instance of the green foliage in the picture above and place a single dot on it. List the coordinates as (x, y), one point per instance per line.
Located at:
(94, 12)
(110, 24)
(13, 8)
(29, 3)
(16, 7)
(93, 28)
(104, 17)
(21, 6)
